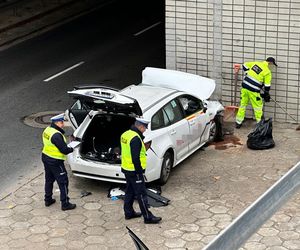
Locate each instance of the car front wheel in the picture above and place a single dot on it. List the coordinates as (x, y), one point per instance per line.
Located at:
(166, 168)
(216, 129)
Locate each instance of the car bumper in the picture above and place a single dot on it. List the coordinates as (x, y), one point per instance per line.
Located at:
(95, 170)
(98, 177)
(86, 168)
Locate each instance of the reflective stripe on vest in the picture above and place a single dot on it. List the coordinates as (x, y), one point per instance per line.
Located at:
(126, 157)
(49, 148)
(258, 74)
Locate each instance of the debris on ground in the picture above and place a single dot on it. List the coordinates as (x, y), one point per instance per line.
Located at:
(153, 193)
(84, 193)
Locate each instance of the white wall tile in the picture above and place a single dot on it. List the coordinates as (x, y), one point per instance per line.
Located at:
(250, 30)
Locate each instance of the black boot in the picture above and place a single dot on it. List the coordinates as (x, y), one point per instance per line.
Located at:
(152, 220)
(49, 202)
(68, 206)
(134, 215)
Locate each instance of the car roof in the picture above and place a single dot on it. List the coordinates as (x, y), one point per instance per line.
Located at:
(147, 95)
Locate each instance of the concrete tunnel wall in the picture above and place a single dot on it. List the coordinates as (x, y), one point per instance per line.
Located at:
(209, 37)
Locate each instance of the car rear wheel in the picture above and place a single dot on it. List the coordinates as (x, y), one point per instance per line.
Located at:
(216, 129)
(166, 168)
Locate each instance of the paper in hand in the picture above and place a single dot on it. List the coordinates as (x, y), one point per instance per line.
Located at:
(74, 144)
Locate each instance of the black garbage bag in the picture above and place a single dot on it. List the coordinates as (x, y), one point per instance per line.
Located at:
(261, 137)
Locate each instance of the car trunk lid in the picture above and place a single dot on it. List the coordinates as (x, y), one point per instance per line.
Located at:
(107, 99)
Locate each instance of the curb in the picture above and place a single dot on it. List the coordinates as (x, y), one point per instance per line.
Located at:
(6, 193)
(49, 25)
(35, 17)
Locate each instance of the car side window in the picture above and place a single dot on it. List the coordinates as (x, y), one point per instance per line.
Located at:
(173, 112)
(157, 121)
(190, 104)
(78, 105)
(166, 116)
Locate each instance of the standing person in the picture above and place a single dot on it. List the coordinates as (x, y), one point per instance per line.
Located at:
(258, 77)
(133, 162)
(53, 155)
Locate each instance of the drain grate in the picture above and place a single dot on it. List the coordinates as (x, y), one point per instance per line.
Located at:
(41, 119)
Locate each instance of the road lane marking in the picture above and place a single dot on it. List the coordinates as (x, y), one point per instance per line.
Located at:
(144, 30)
(64, 71)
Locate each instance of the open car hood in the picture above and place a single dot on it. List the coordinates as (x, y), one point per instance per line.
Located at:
(196, 85)
(107, 99)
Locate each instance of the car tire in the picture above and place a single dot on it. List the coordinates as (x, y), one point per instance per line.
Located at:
(216, 129)
(166, 167)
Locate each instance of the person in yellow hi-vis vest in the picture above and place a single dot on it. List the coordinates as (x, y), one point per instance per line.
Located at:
(133, 163)
(258, 77)
(53, 156)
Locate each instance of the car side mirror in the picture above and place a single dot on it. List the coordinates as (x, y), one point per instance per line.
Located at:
(204, 107)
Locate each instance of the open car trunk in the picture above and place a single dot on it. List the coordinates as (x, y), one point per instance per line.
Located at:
(101, 141)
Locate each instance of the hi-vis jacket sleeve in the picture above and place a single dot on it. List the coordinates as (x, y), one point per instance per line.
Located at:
(268, 79)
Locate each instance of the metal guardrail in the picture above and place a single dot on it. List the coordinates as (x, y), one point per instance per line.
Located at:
(258, 212)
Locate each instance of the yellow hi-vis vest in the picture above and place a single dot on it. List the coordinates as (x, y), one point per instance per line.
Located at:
(126, 159)
(49, 148)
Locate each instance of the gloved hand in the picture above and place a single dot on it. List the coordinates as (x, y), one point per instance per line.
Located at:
(267, 96)
(140, 177)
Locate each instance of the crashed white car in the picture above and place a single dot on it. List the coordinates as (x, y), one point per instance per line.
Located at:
(182, 117)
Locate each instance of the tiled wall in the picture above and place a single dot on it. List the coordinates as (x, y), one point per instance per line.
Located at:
(209, 37)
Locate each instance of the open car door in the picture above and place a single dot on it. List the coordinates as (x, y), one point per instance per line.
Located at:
(103, 98)
(77, 113)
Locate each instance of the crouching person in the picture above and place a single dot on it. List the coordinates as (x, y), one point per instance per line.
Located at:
(133, 162)
(53, 156)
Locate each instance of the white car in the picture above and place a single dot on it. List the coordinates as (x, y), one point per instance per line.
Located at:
(182, 121)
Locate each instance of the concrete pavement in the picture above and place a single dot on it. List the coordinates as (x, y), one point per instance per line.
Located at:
(207, 192)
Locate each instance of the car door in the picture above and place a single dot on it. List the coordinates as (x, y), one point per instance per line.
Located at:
(77, 113)
(178, 127)
(196, 117)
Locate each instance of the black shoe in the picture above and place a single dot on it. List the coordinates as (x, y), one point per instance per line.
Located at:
(134, 215)
(153, 220)
(49, 202)
(237, 125)
(68, 206)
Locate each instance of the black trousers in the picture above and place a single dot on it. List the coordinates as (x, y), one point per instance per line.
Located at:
(55, 171)
(135, 187)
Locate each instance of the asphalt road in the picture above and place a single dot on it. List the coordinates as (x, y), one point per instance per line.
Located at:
(111, 45)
